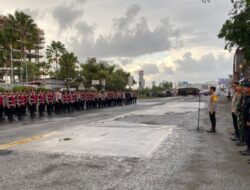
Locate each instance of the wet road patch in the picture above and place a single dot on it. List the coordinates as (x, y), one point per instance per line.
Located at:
(128, 142)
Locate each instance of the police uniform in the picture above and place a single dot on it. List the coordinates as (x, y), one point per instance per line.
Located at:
(49, 102)
(2, 106)
(20, 103)
(41, 103)
(11, 105)
(32, 103)
(212, 108)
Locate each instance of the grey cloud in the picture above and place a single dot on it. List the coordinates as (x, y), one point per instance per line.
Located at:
(66, 15)
(34, 13)
(87, 31)
(125, 61)
(81, 2)
(125, 22)
(150, 69)
(130, 39)
(205, 63)
(168, 71)
(208, 67)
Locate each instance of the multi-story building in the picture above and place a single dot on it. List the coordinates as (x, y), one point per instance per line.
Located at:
(141, 80)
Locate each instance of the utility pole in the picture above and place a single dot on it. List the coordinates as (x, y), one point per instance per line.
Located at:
(11, 65)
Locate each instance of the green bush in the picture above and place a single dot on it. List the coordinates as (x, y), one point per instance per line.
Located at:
(22, 88)
(41, 89)
(2, 89)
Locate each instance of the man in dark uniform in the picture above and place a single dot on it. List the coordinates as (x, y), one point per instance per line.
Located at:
(11, 105)
(65, 101)
(49, 102)
(19, 105)
(2, 106)
(32, 103)
(83, 100)
(41, 102)
(246, 118)
(25, 99)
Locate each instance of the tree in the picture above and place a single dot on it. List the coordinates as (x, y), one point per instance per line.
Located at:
(33, 71)
(8, 37)
(67, 64)
(93, 70)
(236, 30)
(45, 67)
(27, 30)
(118, 80)
(54, 53)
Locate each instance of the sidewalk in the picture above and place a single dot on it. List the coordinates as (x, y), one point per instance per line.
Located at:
(217, 163)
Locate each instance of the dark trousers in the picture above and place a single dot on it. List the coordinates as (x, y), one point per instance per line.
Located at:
(41, 109)
(32, 108)
(213, 119)
(10, 113)
(1, 112)
(49, 108)
(235, 125)
(247, 136)
(19, 111)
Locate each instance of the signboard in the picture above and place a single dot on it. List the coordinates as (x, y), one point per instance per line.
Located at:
(95, 82)
(103, 82)
(224, 81)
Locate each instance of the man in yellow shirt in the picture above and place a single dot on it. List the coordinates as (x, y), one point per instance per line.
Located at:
(212, 108)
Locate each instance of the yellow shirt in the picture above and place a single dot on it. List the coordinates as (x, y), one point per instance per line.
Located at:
(212, 106)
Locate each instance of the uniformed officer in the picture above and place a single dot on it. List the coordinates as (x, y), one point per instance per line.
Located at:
(32, 103)
(41, 102)
(20, 103)
(212, 108)
(78, 101)
(2, 105)
(65, 101)
(49, 102)
(246, 118)
(10, 105)
(25, 98)
(234, 101)
(70, 101)
(58, 102)
(83, 100)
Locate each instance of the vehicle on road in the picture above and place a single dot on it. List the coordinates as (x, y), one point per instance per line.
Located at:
(188, 91)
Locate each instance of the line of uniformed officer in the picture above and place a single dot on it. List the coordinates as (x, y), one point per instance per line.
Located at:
(17, 104)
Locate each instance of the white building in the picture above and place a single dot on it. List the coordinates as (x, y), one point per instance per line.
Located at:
(141, 80)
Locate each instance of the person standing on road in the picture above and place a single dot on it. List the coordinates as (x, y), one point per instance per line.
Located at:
(2, 106)
(32, 103)
(246, 120)
(10, 105)
(235, 99)
(212, 107)
(41, 102)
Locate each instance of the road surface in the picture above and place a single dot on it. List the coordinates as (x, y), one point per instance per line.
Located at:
(148, 146)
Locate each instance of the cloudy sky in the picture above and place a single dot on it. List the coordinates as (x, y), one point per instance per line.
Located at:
(169, 39)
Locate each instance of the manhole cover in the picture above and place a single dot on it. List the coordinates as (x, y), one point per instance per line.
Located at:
(5, 152)
(66, 139)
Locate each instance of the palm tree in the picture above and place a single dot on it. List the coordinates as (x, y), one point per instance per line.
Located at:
(28, 33)
(8, 37)
(68, 67)
(54, 52)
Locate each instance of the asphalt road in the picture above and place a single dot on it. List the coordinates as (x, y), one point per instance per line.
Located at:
(148, 146)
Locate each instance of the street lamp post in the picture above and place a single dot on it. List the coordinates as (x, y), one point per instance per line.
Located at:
(11, 65)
